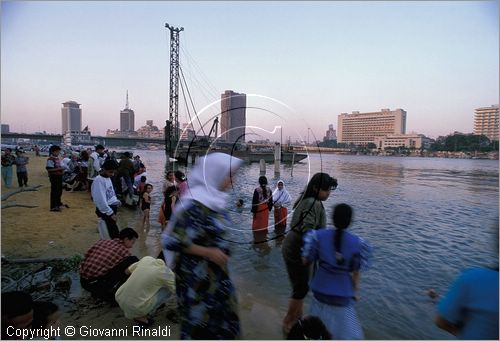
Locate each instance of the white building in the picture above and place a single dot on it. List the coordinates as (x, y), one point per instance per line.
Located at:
(486, 122)
(150, 130)
(362, 128)
(415, 141)
(77, 137)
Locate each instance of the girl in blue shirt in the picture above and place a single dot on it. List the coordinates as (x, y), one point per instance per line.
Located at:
(340, 256)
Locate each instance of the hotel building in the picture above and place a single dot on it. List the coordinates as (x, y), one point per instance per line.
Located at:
(233, 116)
(486, 122)
(71, 117)
(362, 128)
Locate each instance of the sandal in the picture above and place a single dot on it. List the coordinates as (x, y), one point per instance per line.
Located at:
(55, 209)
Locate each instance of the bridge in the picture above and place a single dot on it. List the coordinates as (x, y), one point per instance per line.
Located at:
(113, 141)
(120, 141)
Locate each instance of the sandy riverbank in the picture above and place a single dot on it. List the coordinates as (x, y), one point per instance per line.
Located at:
(39, 233)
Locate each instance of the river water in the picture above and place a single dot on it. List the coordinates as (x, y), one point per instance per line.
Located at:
(426, 218)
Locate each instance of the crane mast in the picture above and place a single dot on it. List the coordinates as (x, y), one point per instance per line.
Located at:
(172, 125)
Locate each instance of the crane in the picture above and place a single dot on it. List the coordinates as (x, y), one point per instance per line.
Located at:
(172, 124)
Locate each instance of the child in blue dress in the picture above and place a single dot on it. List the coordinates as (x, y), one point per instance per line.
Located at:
(340, 256)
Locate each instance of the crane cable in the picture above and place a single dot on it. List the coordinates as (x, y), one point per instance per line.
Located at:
(191, 100)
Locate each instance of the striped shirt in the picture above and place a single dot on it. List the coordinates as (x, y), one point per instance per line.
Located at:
(102, 257)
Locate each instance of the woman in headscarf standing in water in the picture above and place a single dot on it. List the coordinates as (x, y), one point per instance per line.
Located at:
(281, 199)
(309, 214)
(205, 293)
(262, 203)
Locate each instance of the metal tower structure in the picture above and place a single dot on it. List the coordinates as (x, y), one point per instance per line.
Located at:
(172, 127)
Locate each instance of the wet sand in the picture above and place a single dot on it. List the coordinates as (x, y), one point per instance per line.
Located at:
(39, 233)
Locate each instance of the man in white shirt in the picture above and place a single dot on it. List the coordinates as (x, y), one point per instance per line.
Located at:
(104, 197)
(95, 162)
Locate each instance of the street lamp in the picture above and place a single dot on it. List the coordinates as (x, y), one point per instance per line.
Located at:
(308, 135)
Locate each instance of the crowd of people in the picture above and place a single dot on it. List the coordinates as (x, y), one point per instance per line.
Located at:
(20, 160)
(193, 264)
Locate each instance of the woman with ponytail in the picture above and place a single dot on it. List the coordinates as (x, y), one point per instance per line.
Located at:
(309, 214)
(340, 256)
(262, 203)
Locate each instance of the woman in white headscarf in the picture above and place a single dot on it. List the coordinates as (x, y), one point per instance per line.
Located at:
(205, 293)
(281, 199)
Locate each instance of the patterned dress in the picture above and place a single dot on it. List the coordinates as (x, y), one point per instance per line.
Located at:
(205, 293)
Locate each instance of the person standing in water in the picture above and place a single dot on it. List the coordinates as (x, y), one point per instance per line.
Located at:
(340, 255)
(281, 199)
(146, 205)
(309, 214)
(262, 203)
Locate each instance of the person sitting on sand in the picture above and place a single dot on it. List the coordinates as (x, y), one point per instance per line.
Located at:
(149, 286)
(104, 267)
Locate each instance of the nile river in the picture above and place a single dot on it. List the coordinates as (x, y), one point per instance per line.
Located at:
(426, 218)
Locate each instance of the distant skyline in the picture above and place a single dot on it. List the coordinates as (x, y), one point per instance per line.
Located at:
(300, 64)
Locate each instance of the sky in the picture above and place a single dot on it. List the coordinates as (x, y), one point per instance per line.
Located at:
(301, 64)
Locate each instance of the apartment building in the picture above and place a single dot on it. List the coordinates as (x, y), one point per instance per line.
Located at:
(486, 122)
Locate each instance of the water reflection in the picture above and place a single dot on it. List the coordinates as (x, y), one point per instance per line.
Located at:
(260, 243)
(427, 219)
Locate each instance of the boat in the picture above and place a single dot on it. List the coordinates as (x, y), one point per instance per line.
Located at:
(287, 157)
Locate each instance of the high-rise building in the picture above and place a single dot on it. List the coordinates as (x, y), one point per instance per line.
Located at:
(486, 122)
(331, 134)
(5, 128)
(233, 116)
(150, 130)
(187, 132)
(71, 117)
(127, 119)
(362, 128)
